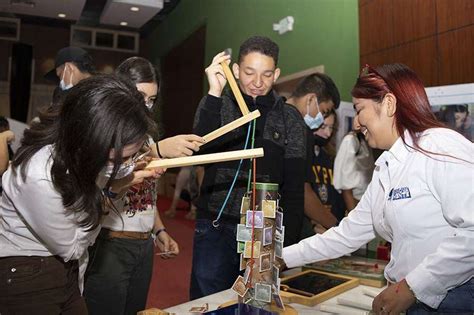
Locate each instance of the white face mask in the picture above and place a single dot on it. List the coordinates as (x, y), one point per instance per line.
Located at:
(104, 175)
(62, 84)
(149, 104)
(124, 170)
(314, 122)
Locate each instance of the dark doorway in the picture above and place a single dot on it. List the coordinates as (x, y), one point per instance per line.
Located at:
(20, 81)
(182, 76)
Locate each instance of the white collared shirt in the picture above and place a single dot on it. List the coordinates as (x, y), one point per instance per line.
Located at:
(353, 166)
(33, 220)
(424, 205)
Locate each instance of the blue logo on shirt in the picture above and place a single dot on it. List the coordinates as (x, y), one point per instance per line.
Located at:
(399, 193)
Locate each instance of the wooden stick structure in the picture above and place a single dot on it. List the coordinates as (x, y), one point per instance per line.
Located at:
(206, 158)
(231, 126)
(235, 89)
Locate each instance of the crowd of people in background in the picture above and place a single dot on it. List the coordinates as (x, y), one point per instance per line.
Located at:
(79, 216)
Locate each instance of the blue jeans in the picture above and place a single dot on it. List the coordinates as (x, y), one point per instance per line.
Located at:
(215, 258)
(118, 276)
(458, 301)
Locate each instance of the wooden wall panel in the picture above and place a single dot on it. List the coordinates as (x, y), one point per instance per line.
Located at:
(43, 55)
(456, 56)
(183, 75)
(377, 58)
(453, 14)
(375, 26)
(421, 56)
(413, 19)
(434, 37)
(364, 2)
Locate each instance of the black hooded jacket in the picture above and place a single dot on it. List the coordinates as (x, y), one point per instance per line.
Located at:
(282, 134)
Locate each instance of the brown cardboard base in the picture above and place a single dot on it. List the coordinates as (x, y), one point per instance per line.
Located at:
(152, 311)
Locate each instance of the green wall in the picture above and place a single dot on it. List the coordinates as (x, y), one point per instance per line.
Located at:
(325, 32)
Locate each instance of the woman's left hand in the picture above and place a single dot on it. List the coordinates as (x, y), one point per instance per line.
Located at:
(395, 299)
(138, 175)
(167, 245)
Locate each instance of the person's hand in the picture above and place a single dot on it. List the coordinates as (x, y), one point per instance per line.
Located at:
(395, 299)
(8, 135)
(138, 175)
(180, 145)
(167, 245)
(215, 74)
(318, 228)
(279, 263)
(467, 122)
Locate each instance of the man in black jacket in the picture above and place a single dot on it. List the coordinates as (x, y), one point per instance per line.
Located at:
(280, 131)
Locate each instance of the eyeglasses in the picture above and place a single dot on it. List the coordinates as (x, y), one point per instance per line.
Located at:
(150, 102)
(138, 156)
(368, 70)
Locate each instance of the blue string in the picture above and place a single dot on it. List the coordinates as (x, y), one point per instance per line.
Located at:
(215, 223)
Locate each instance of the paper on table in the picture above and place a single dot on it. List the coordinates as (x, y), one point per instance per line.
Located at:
(365, 305)
(369, 292)
(342, 310)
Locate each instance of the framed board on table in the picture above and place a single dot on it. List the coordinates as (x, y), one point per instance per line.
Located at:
(369, 271)
(312, 287)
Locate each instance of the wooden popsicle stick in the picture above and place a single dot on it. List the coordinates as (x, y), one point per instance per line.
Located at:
(235, 88)
(206, 158)
(293, 290)
(231, 126)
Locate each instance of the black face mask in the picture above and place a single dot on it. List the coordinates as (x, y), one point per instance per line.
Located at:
(320, 141)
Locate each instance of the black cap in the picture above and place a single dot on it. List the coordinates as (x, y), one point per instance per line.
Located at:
(66, 54)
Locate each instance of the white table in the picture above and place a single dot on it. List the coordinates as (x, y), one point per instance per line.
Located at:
(219, 298)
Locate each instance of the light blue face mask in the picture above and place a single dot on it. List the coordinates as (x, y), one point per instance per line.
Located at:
(314, 122)
(63, 84)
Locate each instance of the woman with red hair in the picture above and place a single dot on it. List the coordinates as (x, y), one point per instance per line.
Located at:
(420, 199)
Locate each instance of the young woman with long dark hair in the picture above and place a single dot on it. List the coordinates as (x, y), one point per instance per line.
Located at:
(53, 198)
(420, 199)
(120, 271)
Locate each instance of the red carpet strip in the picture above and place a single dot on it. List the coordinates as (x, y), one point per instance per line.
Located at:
(170, 281)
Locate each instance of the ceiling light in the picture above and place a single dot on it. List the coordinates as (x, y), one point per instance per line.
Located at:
(62, 15)
(135, 9)
(123, 23)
